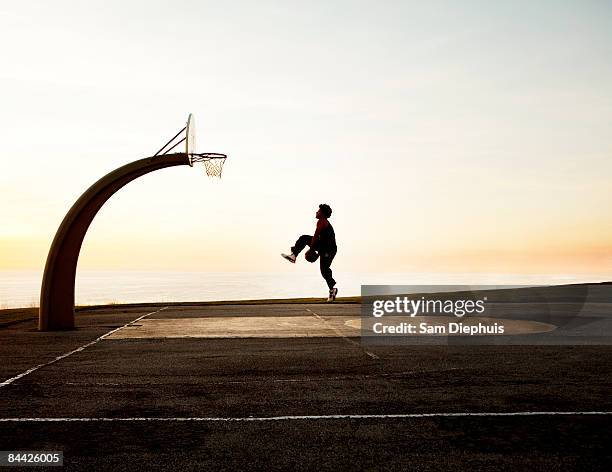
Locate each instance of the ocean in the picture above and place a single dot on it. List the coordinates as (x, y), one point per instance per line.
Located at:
(22, 288)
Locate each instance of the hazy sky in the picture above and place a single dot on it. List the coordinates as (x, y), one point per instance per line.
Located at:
(446, 136)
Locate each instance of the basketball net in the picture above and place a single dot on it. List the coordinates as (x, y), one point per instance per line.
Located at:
(213, 163)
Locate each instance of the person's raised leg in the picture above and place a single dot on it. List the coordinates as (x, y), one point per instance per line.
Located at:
(299, 246)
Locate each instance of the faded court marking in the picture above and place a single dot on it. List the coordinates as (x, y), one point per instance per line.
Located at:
(341, 334)
(248, 419)
(74, 351)
(239, 327)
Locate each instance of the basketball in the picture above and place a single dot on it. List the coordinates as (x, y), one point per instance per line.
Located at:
(311, 256)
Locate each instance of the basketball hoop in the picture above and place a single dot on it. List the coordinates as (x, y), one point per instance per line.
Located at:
(213, 161)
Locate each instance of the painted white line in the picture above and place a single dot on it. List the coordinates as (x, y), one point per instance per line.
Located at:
(340, 334)
(78, 349)
(245, 419)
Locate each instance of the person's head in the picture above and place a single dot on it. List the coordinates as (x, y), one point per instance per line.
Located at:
(324, 211)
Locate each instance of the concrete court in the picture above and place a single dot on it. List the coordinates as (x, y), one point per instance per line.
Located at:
(124, 376)
(309, 325)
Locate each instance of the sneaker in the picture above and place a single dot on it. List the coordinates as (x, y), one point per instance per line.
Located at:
(289, 257)
(332, 294)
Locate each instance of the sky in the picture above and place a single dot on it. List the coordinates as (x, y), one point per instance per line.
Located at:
(446, 136)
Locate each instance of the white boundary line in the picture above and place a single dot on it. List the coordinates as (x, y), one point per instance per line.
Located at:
(339, 333)
(246, 419)
(78, 349)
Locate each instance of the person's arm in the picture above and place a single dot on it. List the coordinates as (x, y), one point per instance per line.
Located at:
(315, 237)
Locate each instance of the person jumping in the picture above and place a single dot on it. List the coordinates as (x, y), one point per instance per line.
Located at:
(322, 244)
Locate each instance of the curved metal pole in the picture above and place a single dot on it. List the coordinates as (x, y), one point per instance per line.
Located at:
(57, 291)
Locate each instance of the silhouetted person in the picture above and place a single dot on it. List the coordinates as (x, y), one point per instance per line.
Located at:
(321, 244)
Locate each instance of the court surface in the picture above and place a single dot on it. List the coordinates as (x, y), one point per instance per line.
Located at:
(290, 386)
